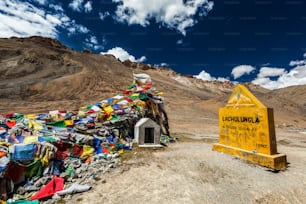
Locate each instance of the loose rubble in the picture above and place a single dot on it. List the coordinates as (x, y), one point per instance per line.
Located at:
(56, 154)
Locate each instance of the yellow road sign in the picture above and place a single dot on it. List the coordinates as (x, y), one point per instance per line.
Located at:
(246, 129)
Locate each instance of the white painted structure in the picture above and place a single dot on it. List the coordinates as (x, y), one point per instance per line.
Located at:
(147, 132)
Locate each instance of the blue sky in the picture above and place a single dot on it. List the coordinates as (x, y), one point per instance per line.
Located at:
(261, 41)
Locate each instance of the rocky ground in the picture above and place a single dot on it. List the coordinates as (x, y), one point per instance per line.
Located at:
(188, 171)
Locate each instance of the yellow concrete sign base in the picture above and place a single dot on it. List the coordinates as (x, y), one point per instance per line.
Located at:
(246, 129)
(276, 161)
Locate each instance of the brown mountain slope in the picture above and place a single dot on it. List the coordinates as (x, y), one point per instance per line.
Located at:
(39, 74)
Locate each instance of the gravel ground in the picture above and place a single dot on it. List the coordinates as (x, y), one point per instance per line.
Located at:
(188, 171)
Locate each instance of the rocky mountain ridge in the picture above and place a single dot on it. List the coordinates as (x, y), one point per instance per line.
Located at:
(40, 74)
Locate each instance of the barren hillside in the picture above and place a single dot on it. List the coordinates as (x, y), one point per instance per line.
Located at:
(40, 74)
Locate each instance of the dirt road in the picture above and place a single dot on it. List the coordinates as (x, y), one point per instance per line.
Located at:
(188, 171)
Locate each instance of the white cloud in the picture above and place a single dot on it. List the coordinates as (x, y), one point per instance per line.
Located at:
(23, 19)
(92, 43)
(103, 15)
(88, 6)
(142, 59)
(123, 55)
(174, 14)
(179, 42)
(79, 6)
(76, 5)
(207, 77)
(42, 2)
(93, 39)
(163, 64)
(74, 28)
(297, 62)
(265, 64)
(270, 72)
(81, 28)
(241, 70)
(56, 8)
(296, 76)
(268, 77)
